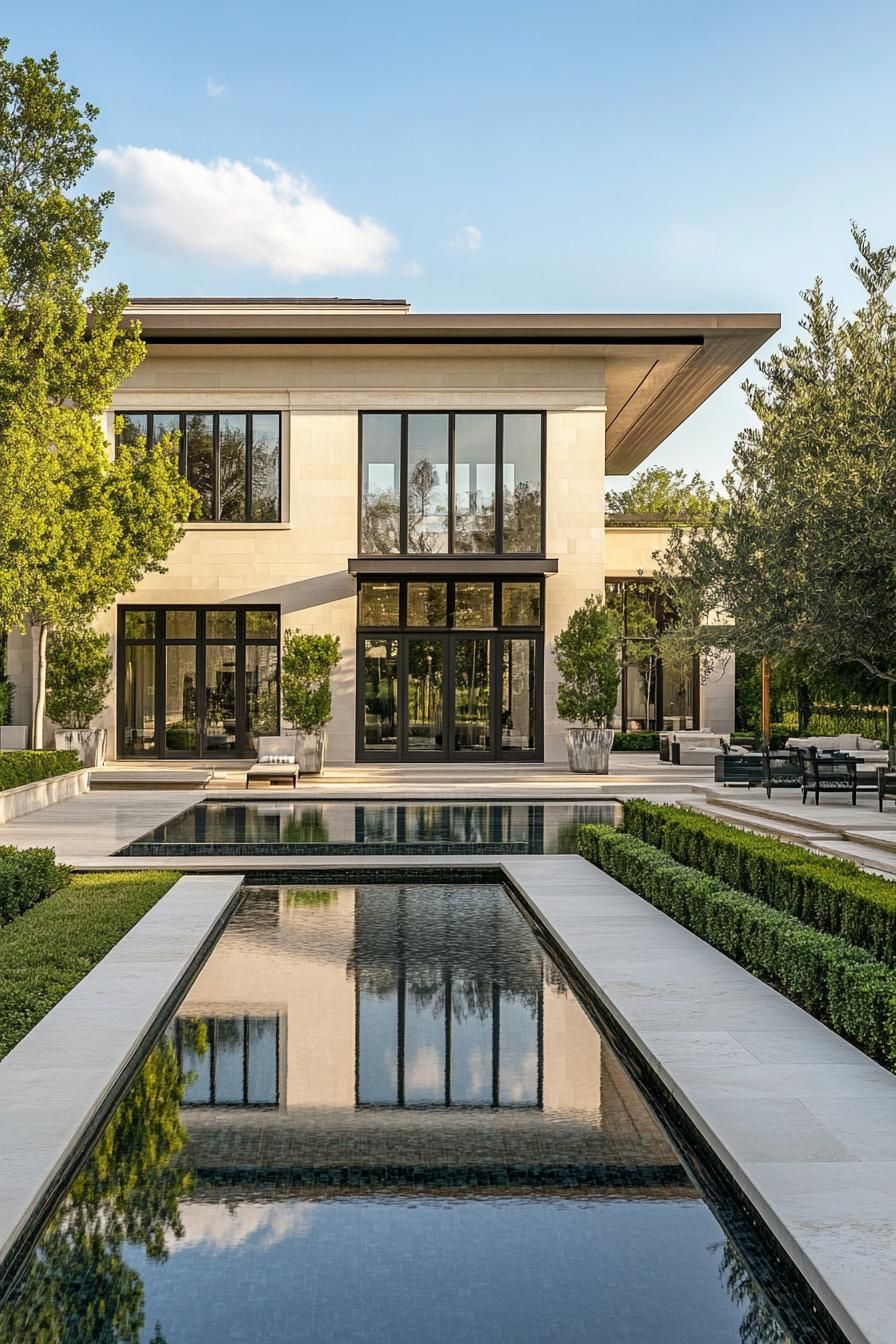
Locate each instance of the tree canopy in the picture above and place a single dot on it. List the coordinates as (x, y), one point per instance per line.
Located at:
(666, 495)
(77, 527)
(803, 555)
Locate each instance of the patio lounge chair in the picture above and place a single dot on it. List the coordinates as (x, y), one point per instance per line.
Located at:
(278, 761)
(832, 774)
(780, 770)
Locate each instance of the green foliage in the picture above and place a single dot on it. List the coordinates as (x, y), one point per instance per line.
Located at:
(76, 527)
(826, 975)
(78, 1287)
(803, 558)
(586, 653)
(6, 694)
(308, 662)
(832, 895)
(26, 877)
(636, 742)
(48, 949)
(26, 767)
(663, 495)
(79, 674)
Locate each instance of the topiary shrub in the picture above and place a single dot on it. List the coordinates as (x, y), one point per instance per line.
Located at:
(27, 767)
(26, 877)
(586, 653)
(79, 675)
(636, 742)
(308, 662)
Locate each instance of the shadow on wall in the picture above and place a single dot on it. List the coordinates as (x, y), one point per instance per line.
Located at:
(304, 594)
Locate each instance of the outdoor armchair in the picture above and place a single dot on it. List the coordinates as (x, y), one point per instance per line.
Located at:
(278, 761)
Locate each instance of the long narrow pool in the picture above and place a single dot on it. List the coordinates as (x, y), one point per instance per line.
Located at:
(381, 1114)
(284, 828)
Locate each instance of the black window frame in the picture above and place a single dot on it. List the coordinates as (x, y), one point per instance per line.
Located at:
(160, 641)
(449, 634)
(470, 556)
(215, 517)
(664, 617)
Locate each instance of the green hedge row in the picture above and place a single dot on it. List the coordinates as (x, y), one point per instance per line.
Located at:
(26, 877)
(26, 767)
(829, 977)
(832, 895)
(636, 742)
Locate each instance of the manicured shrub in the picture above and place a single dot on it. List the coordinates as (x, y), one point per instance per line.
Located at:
(832, 895)
(636, 742)
(827, 975)
(26, 877)
(25, 767)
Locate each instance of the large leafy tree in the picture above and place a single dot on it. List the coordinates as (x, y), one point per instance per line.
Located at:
(76, 527)
(802, 556)
(667, 495)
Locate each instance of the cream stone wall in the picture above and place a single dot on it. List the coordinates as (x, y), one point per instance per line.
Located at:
(300, 564)
(575, 535)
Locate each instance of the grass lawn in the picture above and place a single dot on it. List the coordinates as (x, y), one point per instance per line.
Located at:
(47, 950)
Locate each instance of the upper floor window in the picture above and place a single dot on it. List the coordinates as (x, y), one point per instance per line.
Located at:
(231, 458)
(430, 483)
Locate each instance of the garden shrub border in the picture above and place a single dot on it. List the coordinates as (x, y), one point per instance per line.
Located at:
(29, 767)
(643, 741)
(832, 895)
(828, 976)
(26, 877)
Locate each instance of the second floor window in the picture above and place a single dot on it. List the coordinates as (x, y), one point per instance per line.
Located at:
(439, 483)
(231, 458)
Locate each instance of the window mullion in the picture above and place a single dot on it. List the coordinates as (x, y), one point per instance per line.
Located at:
(403, 487)
(499, 483)
(451, 482)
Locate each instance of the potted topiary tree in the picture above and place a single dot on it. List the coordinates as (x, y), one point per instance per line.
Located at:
(308, 662)
(79, 672)
(586, 654)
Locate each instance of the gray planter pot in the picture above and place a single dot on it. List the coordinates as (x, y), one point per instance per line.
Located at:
(14, 737)
(89, 743)
(312, 752)
(588, 750)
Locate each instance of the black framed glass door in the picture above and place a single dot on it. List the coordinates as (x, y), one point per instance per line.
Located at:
(450, 670)
(197, 682)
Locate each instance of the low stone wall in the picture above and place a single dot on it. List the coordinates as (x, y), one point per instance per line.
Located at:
(41, 793)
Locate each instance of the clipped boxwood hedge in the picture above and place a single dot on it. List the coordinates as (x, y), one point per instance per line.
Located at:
(636, 742)
(26, 767)
(26, 877)
(828, 976)
(832, 895)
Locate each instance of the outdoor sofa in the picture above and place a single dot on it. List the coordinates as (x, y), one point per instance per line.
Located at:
(871, 750)
(695, 748)
(278, 761)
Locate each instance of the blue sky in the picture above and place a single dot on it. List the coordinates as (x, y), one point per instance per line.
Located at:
(565, 156)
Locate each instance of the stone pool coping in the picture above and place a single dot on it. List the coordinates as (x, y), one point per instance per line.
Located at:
(803, 1121)
(57, 1083)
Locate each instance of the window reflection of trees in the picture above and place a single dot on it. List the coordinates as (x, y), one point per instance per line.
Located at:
(450, 989)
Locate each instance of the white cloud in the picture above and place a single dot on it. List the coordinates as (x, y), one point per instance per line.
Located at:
(221, 1228)
(226, 212)
(214, 90)
(467, 239)
(412, 268)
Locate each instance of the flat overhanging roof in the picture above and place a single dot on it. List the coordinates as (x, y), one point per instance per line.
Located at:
(659, 366)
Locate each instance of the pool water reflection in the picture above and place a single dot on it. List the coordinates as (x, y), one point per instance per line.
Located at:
(373, 828)
(380, 1114)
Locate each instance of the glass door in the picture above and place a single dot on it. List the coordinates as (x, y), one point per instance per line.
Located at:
(520, 699)
(471, 721)
(424, 698)
(181, 726)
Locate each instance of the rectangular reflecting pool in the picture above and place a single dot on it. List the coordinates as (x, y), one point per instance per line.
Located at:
(381, 1114)
(234, 828)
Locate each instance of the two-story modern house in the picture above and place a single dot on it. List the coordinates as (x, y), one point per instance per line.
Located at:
(428, 487)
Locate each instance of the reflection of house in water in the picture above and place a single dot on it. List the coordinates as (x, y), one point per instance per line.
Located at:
(382, 1036)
